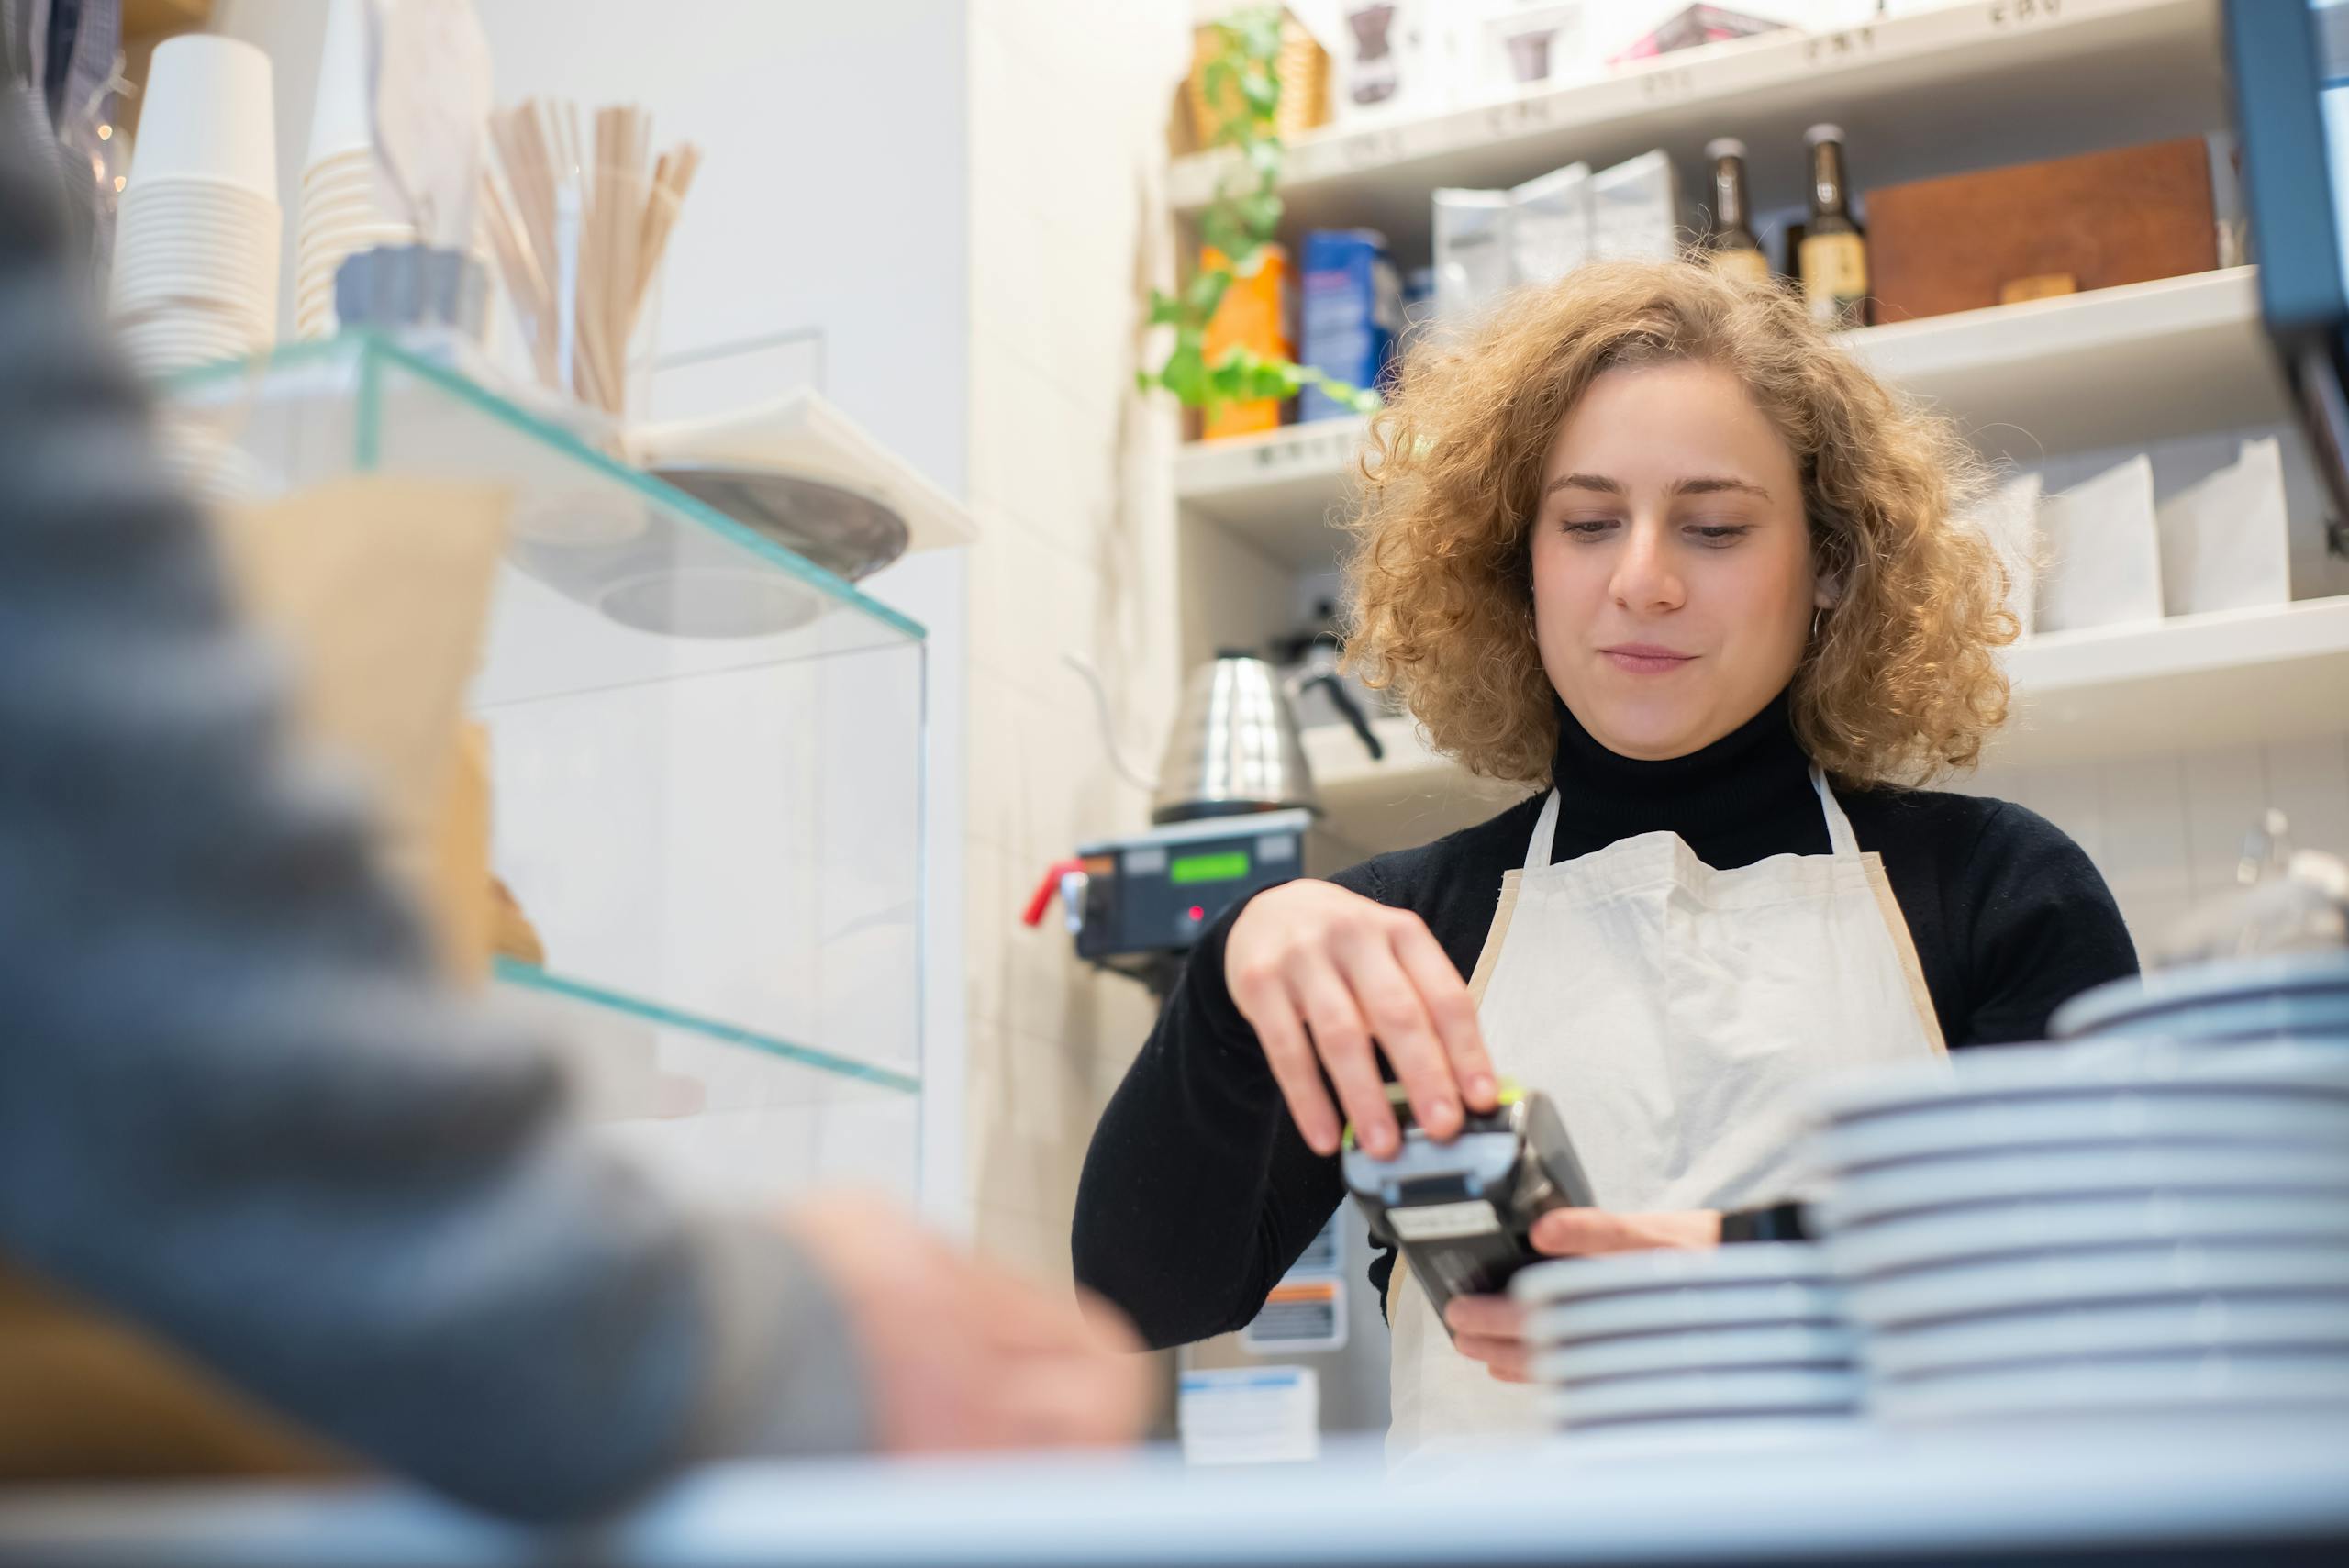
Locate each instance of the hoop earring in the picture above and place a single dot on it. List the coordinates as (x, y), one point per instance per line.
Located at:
(1817, 616)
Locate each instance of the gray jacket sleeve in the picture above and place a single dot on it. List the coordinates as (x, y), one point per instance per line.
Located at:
(235, 1106)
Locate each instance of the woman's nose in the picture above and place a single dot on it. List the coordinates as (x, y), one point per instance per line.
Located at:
(1644, 577)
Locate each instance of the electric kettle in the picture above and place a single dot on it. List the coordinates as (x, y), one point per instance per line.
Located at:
(1235, 747)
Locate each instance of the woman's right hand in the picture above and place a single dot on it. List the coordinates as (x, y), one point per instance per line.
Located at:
(1321, 974)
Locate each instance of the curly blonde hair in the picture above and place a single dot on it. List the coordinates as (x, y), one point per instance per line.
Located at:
(1900, 682)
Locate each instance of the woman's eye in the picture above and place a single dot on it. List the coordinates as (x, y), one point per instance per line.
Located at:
(1586, 527)
(1719, 533)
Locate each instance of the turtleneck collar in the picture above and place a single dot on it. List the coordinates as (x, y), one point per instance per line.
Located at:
(1744, 797)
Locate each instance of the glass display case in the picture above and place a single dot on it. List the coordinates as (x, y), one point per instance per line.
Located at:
(707, 771)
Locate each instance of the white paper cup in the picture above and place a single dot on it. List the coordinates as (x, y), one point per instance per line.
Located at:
(359, 191)
(358, 162)
(164, 347)
(160, 218)
(208, 193)
(207, 111)
(177, 348)
(232, 300)
(147, 232)
(338, 121)
(353, 188)
(227, 273)
(359, 155)
(207, 332)
(333, 244)
(200, 256)
(224, 306)
(354, 222)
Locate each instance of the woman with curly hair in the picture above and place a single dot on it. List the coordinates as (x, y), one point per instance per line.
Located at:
(1651, 544)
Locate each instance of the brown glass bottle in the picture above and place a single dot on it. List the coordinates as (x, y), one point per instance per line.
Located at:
(1730, 246)
(1835, 254)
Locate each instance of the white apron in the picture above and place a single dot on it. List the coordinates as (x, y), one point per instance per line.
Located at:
(1667, 1008)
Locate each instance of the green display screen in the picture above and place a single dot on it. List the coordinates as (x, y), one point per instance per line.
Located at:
(1229, 866)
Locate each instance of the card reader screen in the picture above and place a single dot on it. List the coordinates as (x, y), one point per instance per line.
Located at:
(1229, 866)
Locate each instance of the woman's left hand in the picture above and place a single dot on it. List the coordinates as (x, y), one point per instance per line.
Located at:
(1491, 1329)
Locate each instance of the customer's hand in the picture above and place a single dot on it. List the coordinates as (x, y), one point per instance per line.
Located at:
(1491, 1329)
(1320, 973)
(962, 1355)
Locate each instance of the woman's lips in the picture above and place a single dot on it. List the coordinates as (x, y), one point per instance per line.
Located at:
(1645, 659)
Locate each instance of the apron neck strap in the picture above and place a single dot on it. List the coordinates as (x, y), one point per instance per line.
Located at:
(1840, 840)
(1545, 835)
(1840, 837)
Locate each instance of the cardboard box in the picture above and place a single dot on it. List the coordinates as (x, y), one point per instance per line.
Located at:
(2105, 218)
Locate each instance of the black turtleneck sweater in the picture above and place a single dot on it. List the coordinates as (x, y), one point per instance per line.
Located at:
(1197, 1193)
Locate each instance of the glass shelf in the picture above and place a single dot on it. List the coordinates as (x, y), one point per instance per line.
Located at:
(674, 587)
(729, 1115)
(708, 766)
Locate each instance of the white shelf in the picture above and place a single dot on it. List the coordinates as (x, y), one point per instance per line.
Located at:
(1966, 86)
(2188, 682)
(2139, 363)
(2112, 366)
(1280, 491)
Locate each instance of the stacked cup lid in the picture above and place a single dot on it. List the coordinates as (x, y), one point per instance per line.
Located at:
(1731, 1343)
(196, 268)
(344, 207)
(2114, 1226)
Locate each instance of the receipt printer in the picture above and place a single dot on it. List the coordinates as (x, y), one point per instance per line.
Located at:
(1462, 1210)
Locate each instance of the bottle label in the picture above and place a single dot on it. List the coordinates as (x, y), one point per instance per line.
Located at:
(1834, 276)
(1745, 266)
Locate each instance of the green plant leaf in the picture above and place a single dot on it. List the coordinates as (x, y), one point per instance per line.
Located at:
(1185, 375)
(1260, 215)
(1207, 292)
(1240, 78)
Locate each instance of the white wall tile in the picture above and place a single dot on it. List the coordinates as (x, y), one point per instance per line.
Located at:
(2308, 781)
(1067, 471)
(1041, 455)
(2151, 916)
(2071, 797)
(991, 890)
(1031, 602)
(2226, 794)
(2167, 832)
(2143, 820)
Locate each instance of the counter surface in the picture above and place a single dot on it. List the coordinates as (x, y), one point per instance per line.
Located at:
(2213, 1489)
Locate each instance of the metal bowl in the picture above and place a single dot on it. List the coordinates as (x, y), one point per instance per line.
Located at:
(848, 534)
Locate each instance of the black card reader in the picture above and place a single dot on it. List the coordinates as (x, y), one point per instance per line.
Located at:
(1462, 1210)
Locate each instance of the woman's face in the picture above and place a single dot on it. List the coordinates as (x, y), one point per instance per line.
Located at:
(1672, 584)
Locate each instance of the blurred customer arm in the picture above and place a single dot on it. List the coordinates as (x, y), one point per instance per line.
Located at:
(237, 1109)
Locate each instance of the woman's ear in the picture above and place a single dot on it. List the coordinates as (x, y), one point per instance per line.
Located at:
(1829, 592)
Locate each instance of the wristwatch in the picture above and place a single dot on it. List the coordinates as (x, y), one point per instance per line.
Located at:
(1779, 1222)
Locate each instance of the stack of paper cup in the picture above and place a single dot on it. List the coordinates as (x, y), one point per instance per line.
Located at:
(345, 209)
(196, 268)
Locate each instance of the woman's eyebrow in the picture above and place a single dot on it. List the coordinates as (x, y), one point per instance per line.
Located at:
(1699, 486)
(1716, 487)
